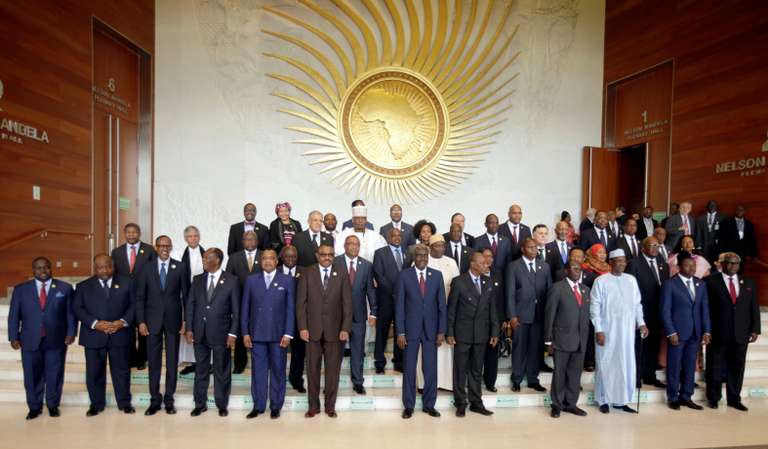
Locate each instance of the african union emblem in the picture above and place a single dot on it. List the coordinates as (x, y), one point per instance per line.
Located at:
(400, 116)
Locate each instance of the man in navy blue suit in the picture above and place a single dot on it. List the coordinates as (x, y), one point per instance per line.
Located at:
(360, 274)
(685, 315)
(42, 324)
(420, 321)
(267, 318)
(104, 304)
(387, 264)
(500, 245)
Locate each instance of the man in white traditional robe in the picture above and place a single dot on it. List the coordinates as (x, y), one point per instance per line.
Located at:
(370, 240)
(616, 313)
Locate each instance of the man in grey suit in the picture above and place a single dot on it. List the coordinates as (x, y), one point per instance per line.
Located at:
(566, 331)
(360, 274)
(680, 225)
(396, 222)
(472, 324)
(526, 280)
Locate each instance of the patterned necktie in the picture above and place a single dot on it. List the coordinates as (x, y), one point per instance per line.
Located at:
(494, 247)
(577, 293)
(211, 286)
(686, 226)
(163, 275)
(530, 267)
(422, 285)
(732, 290)
(541, 254)
(132, 260)
(514, 234)
(564, 252)
(398, 259)
(325, 278)
(477, 285)
(352, 272)
(603, 239)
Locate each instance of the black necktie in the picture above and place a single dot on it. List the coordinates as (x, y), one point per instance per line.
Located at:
(456, 253)
(325, 279)
(530, 268)
(211, 286)
(655, 271)
(634, 246)
(602, 238)
(314, 239)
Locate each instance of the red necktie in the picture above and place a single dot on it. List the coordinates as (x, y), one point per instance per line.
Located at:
(352, 272)
(577, 293)
(422, 285)
(732, 290)
(494, 246)
(514, 235)
(43, 299)
(133, 257)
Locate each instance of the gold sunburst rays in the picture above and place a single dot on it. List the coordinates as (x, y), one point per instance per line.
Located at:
(404, 106)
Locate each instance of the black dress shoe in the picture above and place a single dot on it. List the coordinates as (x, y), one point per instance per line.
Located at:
(274, 414)
(461, 412)
(712, 405)
(128, 410)
(152, 410)
(555, 412)
(431, 412)
(223, 412)
(407, 413)
(575, 411)
(254, 413)
(379, 370)
(141, 366)
(658, 384)
(605, 409)
(93, 411)
(347, 352)
(515, 386)
(674, 405)
(299, 388)
(189, 369)
(238, 370)
(197, 411)
(480, 410)
(538, 387)
(170, 410)
(546, 368)
(34, 414)
(53, 412)
(625, 408)
(359, 389)
(690, 404)
(491, 388)
(739, 406)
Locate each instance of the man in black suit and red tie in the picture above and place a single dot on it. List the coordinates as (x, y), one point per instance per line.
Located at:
(236, 231)
(735, 316)
(515, 231)
(128, 260)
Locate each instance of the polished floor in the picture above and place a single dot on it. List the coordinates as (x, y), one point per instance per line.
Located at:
(656, 427)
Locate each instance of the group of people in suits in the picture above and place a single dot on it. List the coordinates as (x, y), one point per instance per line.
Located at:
(315, 291)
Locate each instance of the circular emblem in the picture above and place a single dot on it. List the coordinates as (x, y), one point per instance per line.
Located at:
(393, 122)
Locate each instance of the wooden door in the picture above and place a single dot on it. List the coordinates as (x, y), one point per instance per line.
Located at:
(601, 178)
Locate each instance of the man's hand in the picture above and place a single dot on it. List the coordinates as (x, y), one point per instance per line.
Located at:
(643, 331)
(371, 320)
(600, 338)
(494, 341)
(16, 344)
(231, 341)
(343, 335)
(183, 329)
(190, 337)
(401, 342)
(247, 342)
(143, 329)
(117, 325)
(440, 340)
(674, 340)
(103, 326)
(284, 342)
(752, 338)
(514, 323)
(451, 341)
(304, 334)
(706, 339)
(550, 349)
(68, 340)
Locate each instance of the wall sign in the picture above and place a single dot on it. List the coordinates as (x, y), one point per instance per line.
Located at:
(15, 131)
(749, 166)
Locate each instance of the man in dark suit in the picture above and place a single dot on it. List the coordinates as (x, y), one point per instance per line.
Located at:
(674, 208)
(161, 289)
(589, 220)
(348, 223)
(42, 323)
(267, 322)
(735, 315)
(613, 224)
(324, 313)
(737, 234)
(566, 331)
(359, 272)
(557, 250)
(646, 224)
(651, 271)
(387, 263)
(707, 226)
(213, 322)
(628, 240)
(599, 234)
(307, 242)
(685, 316)
(104, 305)
(288, 258)
(472, 324)
(587, 278)
(680, 225)
(243, 264)
(526, 282)
(396, 217)
(456, 250)
(500, 245)
(420, 322)
(128, 260)
(515, 231)
(466, 239)
(661, 237)
(491, 362)
(236, 231)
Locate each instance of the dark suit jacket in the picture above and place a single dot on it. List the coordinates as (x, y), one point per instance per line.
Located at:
(515, 250)
(680, 314)
(144, 255)
(728, 238)
(324, 313)
(554, 258)
(212, 323)
(407, 234)
(472, 316)
(267, 314)
(587, 277)
(706, 239)
(26, 319)
(590, 237)
(385, 272)
(499, 299)
(92, 303)
(363, 293)
(236, 231)
(185, 261)
(641, 233)
(416, 316)
(621, 242)
(585, 224)
(732, 323)
(526, 292)
(276, 237)
(470, 240)
(237, 265)
(464, 257)
(158, 307)
(674, 222)
(306, 248)
(650, 290)
(566, 323)
(503, 248)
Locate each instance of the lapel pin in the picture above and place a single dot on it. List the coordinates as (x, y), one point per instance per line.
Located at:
(255, 262)
(741, 281)
(496, 284)
(117, 286)
(141, 251)
(334, 273)
(173, 267)
(221, 281)
(429, 273)
(297, 274)
(697, 284)
(53, 285)
(274, 285)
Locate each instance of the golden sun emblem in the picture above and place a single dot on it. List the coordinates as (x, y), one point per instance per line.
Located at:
(399, 116)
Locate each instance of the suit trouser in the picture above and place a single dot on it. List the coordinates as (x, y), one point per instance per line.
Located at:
(681, 369)
(646, 367)
(43, 374)
(589, 354)
(491, 364)
(731, 357)
(329, 353)
(468, 359)
(96, 374)
(566, 379)
(241, 354)
(222, 373)
(428, 369)
(298, 353)
(384, 319)
(525, 357)
(155, 361)
(138, 350)
(268, 372)
(357, 352)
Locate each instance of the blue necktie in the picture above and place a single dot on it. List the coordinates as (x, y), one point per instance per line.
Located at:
(163, 275)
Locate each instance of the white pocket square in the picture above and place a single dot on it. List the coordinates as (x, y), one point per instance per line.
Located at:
(281, 288)
(59, 294)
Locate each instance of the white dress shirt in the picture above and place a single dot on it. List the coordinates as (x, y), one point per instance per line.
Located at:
(514, 230)
(289, 271)
(39, 285)
(195, 261)
(727, 278)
